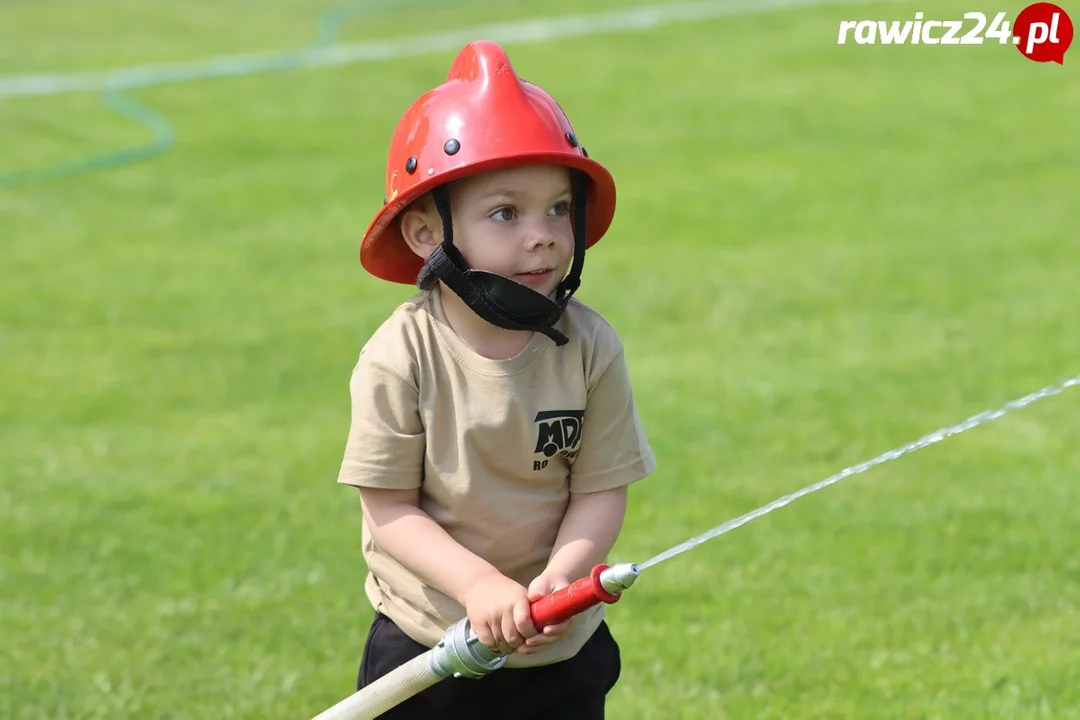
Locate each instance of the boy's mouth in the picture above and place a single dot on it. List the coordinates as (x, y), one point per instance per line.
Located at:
(535, 276)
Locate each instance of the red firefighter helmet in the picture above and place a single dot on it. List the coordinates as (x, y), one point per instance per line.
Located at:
(482, 118)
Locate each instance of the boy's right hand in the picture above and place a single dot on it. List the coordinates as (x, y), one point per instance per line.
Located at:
(500, 613)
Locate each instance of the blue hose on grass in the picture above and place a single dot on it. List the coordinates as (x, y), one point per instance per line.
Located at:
(164, 139)
(164, 136)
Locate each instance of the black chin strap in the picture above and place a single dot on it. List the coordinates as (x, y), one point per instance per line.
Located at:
(579, 188)
(499, 300)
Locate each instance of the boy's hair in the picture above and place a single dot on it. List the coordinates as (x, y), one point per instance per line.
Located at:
(482, 118)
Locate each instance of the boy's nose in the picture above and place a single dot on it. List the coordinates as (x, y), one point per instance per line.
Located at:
(539, 241)
(539, 236)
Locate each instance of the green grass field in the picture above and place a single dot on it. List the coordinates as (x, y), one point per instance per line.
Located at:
(820, 253)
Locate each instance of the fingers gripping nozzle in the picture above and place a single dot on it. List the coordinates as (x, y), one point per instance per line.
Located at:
(460, 653)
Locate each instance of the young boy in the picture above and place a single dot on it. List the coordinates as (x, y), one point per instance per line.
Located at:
(493, 431)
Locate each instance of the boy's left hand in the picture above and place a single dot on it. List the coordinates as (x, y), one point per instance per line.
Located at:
(545, 584)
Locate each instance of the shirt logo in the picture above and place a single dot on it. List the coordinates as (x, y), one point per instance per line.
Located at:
(558, 432)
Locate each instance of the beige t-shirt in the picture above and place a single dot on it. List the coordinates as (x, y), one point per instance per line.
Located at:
(495, 446)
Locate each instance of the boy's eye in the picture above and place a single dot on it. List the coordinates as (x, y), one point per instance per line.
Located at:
(504, 214)
(562, 208)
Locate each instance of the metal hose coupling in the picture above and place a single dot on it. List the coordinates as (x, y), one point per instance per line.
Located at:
(460, 654)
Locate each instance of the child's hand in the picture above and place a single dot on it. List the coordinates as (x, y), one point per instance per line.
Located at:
(543, 585)
(499, 614)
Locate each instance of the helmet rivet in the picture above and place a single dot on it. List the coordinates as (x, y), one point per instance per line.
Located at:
(410, 165)
(584, 151)
(452, 146)
(384, 201)
(572, 139)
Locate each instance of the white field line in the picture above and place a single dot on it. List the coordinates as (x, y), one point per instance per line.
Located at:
(523, 31)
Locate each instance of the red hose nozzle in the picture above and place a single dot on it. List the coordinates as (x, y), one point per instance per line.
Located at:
(604, 584)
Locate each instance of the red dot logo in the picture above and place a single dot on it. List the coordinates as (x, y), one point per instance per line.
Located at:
(1043, 32)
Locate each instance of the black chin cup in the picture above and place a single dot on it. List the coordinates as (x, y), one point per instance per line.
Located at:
(515, 300)
(500, 300)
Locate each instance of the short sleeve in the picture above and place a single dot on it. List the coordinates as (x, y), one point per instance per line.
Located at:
(614, 450)
(385, 446)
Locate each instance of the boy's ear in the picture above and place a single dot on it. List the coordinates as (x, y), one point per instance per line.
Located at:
(421, 227)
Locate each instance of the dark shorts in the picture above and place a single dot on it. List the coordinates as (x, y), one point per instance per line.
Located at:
(573, 689)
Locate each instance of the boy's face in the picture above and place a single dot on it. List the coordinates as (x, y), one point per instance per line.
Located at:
(514, 222)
